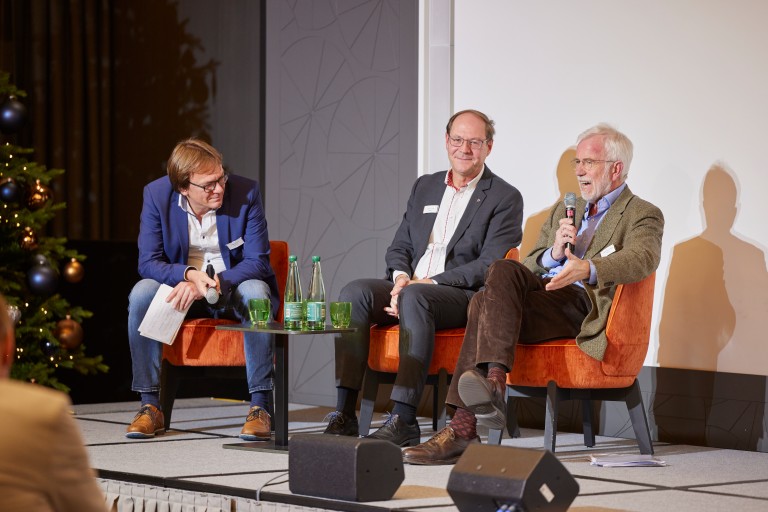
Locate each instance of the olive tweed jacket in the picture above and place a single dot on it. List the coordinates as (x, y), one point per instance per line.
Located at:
(631, 227)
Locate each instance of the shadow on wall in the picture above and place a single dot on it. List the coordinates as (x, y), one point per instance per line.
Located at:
(714, 303)
(161, 96)
(566, 182)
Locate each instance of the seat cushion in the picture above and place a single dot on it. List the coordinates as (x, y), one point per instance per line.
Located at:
(384, 355)
(565, 363)
(198, 343)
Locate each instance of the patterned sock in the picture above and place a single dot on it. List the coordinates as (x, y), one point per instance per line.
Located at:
(464, 424)
(260, 398)
(346, 401)
(151, 398)
(406, 412)
(497, 373)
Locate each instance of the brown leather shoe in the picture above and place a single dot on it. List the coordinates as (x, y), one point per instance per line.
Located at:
(258, 425)
(485, 398)
(445, 447)
(147, 422)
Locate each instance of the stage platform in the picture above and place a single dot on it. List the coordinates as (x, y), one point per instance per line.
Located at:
(188, 465)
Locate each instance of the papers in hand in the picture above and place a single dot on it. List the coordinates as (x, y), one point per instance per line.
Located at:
(162, 322)
(613, 460)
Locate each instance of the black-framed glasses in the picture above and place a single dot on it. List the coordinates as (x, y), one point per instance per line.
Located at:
(457, 142)
(210, 187)
(589, 163)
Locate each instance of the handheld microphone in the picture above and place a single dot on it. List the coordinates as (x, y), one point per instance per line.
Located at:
(570, 212)
(212, 296)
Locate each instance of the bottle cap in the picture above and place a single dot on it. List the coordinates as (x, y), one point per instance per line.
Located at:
(292, 257)
(315, 259)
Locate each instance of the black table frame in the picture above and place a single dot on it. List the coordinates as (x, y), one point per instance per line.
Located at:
(280, 415)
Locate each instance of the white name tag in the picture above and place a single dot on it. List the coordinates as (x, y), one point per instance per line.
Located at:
(234, 245)
(431, 208)
(608, 250)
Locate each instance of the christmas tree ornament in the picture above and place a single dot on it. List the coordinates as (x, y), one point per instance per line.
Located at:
(39, 195)
(69, 333)
(14, 313)
(74, 271)
(10, 191)
(42, 280)
(28, 240)
(13, 114)
(38, 259)
(48, 348)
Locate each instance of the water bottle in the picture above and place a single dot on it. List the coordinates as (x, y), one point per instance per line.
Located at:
(316, 298)
(292, 303)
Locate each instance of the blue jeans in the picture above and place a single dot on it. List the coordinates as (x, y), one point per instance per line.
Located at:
(146, 354)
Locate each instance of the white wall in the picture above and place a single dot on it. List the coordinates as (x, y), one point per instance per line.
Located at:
(687, 81)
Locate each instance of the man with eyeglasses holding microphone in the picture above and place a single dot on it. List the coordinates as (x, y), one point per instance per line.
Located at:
(457, 223)
(556, 292)
(199, 222)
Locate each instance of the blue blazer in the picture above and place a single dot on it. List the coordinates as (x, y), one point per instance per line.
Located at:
(164, 236)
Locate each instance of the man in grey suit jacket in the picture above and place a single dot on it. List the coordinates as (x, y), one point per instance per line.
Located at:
(457, 222)
(554, 293)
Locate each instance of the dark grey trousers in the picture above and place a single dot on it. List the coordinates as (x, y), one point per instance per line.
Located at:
(423, 309)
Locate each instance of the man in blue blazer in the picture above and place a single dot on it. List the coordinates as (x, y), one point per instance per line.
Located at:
(456, 224)
(199, 217)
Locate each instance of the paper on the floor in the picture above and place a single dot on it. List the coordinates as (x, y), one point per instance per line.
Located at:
(614, 460)
(162, 322)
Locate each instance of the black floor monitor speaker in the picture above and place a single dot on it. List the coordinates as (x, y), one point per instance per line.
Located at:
(486, 478)
(343, 467)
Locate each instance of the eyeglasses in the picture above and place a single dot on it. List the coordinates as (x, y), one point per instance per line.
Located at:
(457, 142)
(589, 163)
(210, 187)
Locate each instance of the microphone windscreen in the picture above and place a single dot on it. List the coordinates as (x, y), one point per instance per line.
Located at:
(212, 296)
(570, 200)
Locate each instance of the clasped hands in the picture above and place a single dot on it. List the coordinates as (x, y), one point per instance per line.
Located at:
(576, 269)
(186, 292)
(401, 282)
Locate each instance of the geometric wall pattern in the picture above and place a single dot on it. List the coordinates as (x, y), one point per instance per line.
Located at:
(341, 147)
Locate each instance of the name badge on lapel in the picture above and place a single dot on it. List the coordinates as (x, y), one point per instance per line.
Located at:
(431, 208)
(235, 244)
(607, 251)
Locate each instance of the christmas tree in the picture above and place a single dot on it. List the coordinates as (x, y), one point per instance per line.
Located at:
(48, 331)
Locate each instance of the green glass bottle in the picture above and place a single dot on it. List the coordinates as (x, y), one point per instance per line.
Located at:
(292, 301)
(316, 298)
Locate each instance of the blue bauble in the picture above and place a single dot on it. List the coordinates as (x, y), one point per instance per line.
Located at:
(42, 280)
(13, 114)
(10, 192)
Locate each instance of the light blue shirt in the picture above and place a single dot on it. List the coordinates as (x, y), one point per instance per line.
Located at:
(556, 266)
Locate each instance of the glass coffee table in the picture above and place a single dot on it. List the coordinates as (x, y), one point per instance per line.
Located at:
(280, 414)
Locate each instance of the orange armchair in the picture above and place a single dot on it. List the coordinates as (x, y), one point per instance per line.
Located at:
(200, 351)
(384, 359)
(559, 370)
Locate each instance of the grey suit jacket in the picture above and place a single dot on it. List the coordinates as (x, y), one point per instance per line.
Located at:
(490, 226)
(634, 227)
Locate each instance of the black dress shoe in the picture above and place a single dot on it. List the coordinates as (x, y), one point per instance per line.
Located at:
(340, 424)
(442, 448)
(484, 398)
(398, 432)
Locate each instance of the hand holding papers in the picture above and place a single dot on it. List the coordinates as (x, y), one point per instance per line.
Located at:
(162, 321)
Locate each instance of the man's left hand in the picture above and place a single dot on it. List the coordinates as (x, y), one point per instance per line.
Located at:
(575, 269)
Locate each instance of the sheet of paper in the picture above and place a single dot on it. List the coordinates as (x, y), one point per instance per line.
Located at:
(608, 460)
(162, 322)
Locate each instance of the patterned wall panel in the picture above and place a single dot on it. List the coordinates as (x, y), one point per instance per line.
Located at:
(341, 147)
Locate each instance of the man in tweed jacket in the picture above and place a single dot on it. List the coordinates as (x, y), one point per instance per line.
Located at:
(556, 292)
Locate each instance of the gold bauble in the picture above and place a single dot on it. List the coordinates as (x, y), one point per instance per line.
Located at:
(74, 271)
(39, 195)
(28, 240)
(69, 333)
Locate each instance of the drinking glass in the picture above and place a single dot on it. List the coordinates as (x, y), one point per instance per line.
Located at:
(341, 314)
(259, 310)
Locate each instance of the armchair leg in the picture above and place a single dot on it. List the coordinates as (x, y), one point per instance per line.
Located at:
(550, 419)
(438, 401)
(370, 390)
(513, 429)
(639, 419)
(169, 386)
(587, 423)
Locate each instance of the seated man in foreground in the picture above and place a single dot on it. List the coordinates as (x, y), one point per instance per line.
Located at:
(563, 289)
